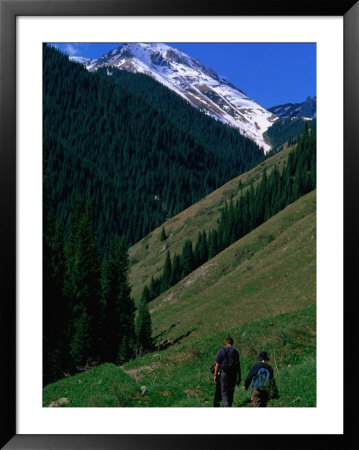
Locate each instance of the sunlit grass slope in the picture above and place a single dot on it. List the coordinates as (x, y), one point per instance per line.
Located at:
(271, 270)
(148, 255)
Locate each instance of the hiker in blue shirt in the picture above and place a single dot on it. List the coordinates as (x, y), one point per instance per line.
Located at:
(262, 375)
(227, 371)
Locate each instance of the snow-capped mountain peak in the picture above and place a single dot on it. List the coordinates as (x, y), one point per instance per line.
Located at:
(189, 78)
(306, 109)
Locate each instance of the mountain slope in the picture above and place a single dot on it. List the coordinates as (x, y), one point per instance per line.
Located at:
(193, 81)
(271, 270)
(140, 158)
(148, 255)
(306, 109)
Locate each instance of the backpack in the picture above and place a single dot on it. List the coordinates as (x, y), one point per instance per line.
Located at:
(229, 365)
(261, 380)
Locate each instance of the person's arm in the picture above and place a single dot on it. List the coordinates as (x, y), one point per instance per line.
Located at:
(251, 374)
(216, 372)
(219, 359)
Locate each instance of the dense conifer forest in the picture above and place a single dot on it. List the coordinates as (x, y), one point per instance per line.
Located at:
(285, 130)
(136, 149)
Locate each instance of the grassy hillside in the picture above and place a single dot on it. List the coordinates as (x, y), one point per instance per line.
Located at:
(261, 291)
(180, 377)
(148, 255)
(271, 270)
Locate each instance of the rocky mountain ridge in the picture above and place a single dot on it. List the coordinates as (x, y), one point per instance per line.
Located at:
(192, 80)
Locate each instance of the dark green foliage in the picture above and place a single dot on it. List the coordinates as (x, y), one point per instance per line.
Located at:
(187, 258)
(155, 287)
(146, 295)
(167, 273)
(54, 307)
(135, 148)
(176, 275)
(82, 286)
(118, 323)
(163, 235)
(144, 328)
(285, 130)
(88, 311)
(254, 207)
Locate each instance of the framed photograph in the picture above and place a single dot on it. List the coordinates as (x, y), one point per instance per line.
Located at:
(58, 226)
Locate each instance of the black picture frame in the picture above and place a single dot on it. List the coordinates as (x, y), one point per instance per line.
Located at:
(9, 10)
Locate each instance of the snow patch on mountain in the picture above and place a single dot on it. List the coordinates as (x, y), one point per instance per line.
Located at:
(192, 80)
(306, 110)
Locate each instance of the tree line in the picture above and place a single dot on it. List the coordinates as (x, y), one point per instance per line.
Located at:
(273, 193)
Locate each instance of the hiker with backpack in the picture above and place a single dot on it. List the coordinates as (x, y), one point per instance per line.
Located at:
(227, 372)
(263, 381)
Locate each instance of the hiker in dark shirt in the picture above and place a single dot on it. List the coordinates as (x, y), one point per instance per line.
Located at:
(262, 375)
(227, 371)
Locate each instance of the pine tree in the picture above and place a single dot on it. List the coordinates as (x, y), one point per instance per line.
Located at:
(213, 247)
(163, 235)
(187, 258)
(82, 287)
(166, 274)
(119, 332)
(203, 248)
(146, 295)
(176, 275)
(144, 328)
(155, 287)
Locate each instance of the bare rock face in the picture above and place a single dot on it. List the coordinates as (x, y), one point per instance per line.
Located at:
(60, 402)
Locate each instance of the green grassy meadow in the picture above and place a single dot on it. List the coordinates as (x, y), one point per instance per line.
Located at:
(180, 377)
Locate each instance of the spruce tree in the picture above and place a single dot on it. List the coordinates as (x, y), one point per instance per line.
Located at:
(146, 294)
(163, 235)
(176, 270)
(82, 287)
(119, 333)
(166, 274)
(203, 248)
(187, 258)
(119, 309)
(144, 328)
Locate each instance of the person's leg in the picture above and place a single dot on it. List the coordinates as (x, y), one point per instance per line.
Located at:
(259, 398)
(256, 398)
(217, 394)
(227, 388)
(231, 393)
(265, 398)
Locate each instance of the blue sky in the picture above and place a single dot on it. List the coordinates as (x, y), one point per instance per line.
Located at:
(270, 73)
